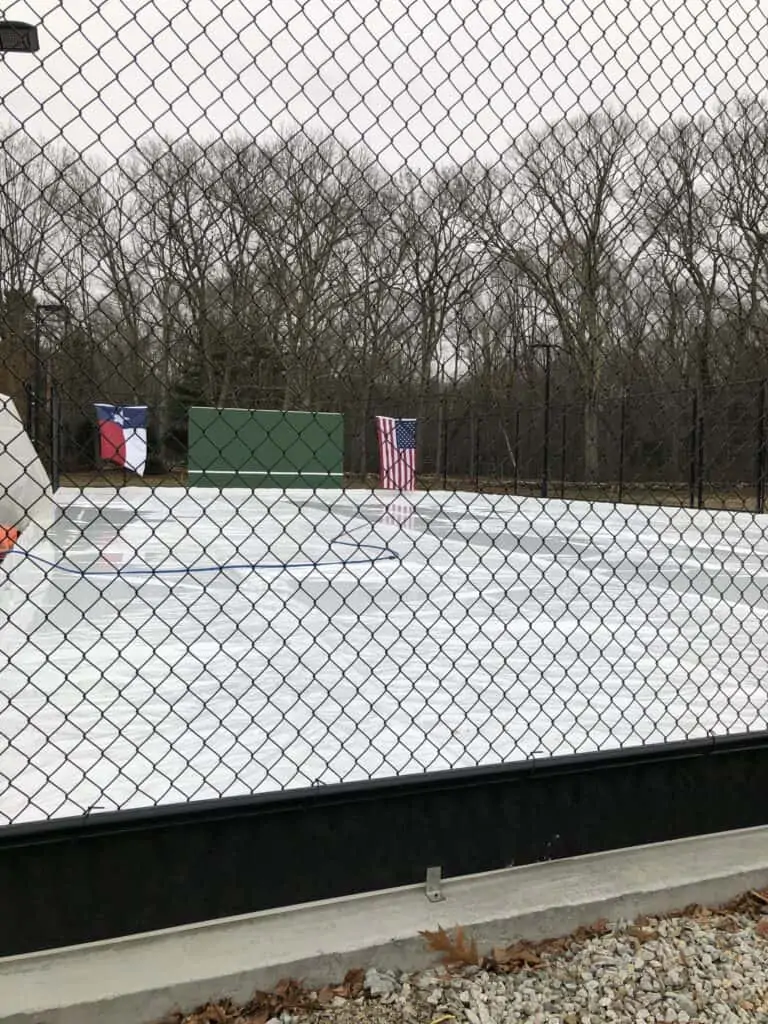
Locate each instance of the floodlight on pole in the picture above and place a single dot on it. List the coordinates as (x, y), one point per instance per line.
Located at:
(40, 379)
(18, 37)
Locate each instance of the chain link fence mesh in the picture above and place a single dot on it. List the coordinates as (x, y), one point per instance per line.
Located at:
(232, 235)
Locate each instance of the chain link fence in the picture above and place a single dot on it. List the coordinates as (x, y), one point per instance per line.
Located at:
(230, 241)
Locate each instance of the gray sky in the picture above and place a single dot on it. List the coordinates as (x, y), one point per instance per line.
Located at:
(416, 80)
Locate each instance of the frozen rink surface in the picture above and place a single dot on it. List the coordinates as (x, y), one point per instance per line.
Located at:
(179, 645)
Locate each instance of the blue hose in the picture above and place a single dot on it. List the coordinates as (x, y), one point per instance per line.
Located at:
(383, 553)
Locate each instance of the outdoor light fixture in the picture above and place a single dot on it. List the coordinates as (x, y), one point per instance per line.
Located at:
(18, 37)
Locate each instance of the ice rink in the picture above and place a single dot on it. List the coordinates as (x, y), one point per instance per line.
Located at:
(178, 645)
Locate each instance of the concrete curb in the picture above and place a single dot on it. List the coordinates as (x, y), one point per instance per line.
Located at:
(138, 979)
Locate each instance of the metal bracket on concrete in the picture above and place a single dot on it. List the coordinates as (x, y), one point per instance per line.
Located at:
(434, 886)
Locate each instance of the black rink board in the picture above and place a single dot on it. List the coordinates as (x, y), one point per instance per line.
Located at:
(76, 880)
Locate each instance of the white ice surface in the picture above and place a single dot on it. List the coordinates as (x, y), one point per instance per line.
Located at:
(487, 629)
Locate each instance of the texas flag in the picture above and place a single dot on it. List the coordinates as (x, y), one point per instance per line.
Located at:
(123, 435)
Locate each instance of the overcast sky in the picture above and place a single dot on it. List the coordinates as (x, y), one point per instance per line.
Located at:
(416, 80)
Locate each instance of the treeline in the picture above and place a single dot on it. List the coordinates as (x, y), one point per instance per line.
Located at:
(300, 273)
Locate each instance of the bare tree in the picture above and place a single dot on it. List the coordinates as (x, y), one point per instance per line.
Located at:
(313, 195)
(370, 353)
(30, 241)
(688, 226)
(567, 217)
(738, 187)
(436, 233)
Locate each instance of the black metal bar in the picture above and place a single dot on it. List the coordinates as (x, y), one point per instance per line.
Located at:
(622, 442)
(700, 454)
(29, 414)
(55, 438)
(563, 450)
(692, 451)
(517, 451)
(473, 432)
(761, 447)
(476, 457)
(547, 393)
(37, 376)
(83, 879)
(444, 442)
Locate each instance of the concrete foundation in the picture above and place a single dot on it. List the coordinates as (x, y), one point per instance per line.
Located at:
(138, 979)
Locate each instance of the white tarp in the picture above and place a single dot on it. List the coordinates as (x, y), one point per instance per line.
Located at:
(25, 489)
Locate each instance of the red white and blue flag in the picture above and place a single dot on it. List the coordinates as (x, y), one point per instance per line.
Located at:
(399, 513)
(123, 435)
(397, 453)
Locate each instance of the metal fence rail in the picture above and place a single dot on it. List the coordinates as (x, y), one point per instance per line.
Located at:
(538, 231)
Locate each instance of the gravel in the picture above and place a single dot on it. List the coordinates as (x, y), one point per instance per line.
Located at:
(697, 965)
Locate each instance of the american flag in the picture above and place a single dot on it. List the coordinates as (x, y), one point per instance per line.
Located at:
(397, 453)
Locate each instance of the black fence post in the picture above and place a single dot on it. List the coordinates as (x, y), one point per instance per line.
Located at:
(472, 447)
(33, 413)
(55, 438)
(692, 450)
(761, 449)
(28, 411)
(563, 451)
(444, 442)
(622, 442)
(517, 451)
(547, 395)
(700, 454)
(476, 455)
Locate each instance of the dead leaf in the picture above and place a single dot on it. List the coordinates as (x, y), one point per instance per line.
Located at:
(354, 982)
(642, 934)
(260, 1017)
(455, 948)
(212, 1013)
(519, 955)
(591, 931)
(289, 992)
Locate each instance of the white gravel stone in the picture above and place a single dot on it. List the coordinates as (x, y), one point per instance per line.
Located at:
(380, 983)
(680, 970)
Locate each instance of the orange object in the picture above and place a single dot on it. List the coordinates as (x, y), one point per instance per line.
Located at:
(8, 537)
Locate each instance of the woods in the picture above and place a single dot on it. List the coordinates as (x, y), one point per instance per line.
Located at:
(299, 273)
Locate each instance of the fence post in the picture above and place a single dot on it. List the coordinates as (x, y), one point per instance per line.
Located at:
(692, 450)
(622, 442)
(55, 438)
(517, 451)
(476, 454)
(443, 441)
(547, 398)
(761, 451)
(31, 423)
(700, 454)
(472, 432)
(563, 449)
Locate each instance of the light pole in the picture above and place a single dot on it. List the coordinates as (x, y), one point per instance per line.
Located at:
(547, 346)
(41, 312)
